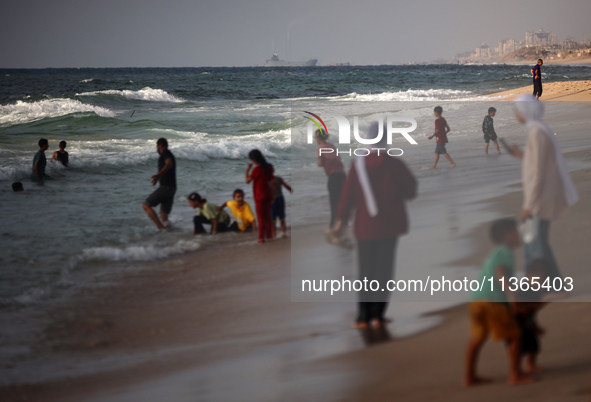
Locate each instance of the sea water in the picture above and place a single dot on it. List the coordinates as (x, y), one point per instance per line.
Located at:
(212, 117)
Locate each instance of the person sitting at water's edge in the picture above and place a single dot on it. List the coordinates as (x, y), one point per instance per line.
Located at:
(243, 217)
(61, 155)
(208, 214)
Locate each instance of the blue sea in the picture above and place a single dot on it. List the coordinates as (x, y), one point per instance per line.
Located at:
(89, 215)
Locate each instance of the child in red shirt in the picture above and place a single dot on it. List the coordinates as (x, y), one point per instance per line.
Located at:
(263, 188)
(441, 130)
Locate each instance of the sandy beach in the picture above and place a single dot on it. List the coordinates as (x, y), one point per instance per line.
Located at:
(219, 324)
(567, 91)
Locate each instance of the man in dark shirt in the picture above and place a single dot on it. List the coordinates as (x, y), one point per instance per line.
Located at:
(40, 161)
(164, 194)
(537, 73)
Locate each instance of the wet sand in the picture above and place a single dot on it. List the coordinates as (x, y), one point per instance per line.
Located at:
(430, 365)
(219, 324)
(567, 91)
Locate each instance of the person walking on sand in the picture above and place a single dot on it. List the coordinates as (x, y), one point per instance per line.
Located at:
(536, 72)
(489, 130)
(377, 187)
(441, 130)
(548, 190)
(333, 168)
(164, 194)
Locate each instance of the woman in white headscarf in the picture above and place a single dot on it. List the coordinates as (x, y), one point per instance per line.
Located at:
(548, 190)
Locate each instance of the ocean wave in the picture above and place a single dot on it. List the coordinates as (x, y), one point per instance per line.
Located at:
(198, 147)
(132, 152)
(87, 80)
(408, 95)
(145, 94)
(27, 112)
(168, 132)
(137, 253)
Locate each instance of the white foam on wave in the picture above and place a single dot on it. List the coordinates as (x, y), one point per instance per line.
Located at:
(26, 112)
(195, 146)
(145, 94)
(32, 295)
(176, 133)
(409, 95)
(137, 253)
(87, 80)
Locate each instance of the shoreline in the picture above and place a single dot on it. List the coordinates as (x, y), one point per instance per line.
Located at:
(567, 91)
(146, 321)
(224, 312)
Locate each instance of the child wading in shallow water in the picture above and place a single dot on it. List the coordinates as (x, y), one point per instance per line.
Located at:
(263, 188)
(278, 207)
(489, 130)
(441, 130)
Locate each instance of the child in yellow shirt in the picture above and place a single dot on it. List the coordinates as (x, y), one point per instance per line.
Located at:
(243, 217)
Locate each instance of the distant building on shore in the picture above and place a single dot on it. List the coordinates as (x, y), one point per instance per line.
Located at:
(536, 44)
(540, 38)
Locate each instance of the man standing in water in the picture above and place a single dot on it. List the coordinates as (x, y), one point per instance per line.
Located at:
(537, 73)
(39, 161)
(164, 194)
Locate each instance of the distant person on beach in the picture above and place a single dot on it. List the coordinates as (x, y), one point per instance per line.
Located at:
(529, 303)
(40, 162)
(243, 217)
(548, 190)
(17, 186)
(164, 194)
(263, 188)
(377, 188)
(209, 214)
(278, 207)
(333, 168)
(492, 309)
(441, 130)
(536, 72)
(61, 155)
(489, 130)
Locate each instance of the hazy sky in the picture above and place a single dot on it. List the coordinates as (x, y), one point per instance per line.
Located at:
(183, 33)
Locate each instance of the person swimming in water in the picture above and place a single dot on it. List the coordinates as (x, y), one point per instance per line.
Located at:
(61, 155)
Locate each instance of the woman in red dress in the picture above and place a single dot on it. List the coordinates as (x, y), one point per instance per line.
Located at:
(262, 187)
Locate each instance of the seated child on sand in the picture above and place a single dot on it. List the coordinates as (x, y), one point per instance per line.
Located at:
(244, 218)
(208, 214)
